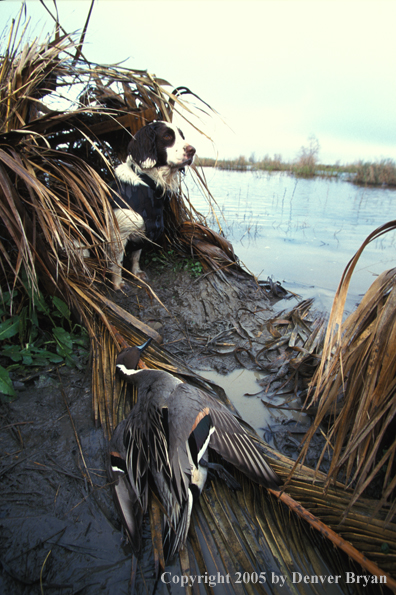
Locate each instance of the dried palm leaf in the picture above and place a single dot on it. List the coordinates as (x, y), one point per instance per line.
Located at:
(212, 249)
(50, 198)
(258, 534)
(355, 386)
(53, 145)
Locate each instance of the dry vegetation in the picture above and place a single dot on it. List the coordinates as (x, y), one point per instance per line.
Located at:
(380, 173)
(355, 389)
(55, 163)
(307, 165)
(54, 170)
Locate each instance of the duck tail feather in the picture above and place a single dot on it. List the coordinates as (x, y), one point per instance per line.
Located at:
(178, 536)
(129, 511)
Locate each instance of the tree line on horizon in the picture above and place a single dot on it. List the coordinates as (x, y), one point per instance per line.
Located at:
(307, 165)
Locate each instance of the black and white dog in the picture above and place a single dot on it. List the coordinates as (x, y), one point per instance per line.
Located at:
(142, 185)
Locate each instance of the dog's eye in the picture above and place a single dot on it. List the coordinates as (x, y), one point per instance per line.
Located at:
(168, 136)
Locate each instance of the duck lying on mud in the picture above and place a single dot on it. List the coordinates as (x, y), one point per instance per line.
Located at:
(164, 445)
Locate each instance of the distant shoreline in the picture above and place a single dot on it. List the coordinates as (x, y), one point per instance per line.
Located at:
(379, 173)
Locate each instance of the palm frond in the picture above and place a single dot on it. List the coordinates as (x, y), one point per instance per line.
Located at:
(354, 387)
(56, 158)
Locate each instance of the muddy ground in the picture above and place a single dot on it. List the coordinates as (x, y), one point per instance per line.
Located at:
(225, 324)
(204, 319)
(60, 532)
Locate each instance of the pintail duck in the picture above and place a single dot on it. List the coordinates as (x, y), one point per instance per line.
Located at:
(164, 444)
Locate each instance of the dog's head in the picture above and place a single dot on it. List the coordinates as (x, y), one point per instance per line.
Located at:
(160, 144)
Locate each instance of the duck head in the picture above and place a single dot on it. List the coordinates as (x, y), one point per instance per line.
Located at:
(128, 359)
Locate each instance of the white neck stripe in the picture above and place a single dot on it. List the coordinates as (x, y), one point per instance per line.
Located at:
(127, 371)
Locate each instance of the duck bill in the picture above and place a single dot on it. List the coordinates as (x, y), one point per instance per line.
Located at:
(144, 345)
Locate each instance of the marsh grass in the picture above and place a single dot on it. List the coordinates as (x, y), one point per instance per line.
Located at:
(380, 173)
(239, 164)
(307, 165)
(271, 164)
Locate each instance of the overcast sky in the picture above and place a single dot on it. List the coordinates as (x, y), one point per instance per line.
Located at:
(276, 71)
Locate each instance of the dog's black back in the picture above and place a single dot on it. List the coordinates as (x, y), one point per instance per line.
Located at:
(148, 200)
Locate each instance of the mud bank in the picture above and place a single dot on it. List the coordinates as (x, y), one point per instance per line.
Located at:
(57, 521)
(60, 532)
(209, 322)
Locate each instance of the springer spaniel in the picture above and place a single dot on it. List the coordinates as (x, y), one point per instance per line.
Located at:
(143, 183)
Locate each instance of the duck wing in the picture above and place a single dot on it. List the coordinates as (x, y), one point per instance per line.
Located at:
(230, 439)
(157, 457)
(146, 444)
(234, 444)
(177, 512)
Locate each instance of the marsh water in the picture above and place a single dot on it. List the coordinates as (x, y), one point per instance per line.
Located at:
(302, 233)
(56, 528)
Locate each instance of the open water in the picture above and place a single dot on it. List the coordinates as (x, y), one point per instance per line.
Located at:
(302, 232)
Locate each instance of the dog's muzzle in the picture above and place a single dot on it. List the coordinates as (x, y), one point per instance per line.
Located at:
(189, 152)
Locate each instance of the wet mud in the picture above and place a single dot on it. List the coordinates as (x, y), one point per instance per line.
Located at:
(60, 531)
(208, 322)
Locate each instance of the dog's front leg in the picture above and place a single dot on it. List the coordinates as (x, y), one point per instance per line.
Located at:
(136, 270)
(116, 266)
(131, 227)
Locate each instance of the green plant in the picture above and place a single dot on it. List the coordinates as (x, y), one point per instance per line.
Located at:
(172, 259)
(35, 333)
(160, 260)
(194, 267)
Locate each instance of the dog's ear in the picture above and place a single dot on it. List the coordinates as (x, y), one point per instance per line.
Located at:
(143, 148)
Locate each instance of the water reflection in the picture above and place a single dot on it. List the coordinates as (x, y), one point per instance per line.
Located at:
(302, 232)
(242, 388)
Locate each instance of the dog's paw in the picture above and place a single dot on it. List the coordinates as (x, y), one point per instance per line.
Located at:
(142, 275)
(119, 286)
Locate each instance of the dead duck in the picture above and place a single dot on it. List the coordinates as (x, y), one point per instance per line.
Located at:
(164, 445)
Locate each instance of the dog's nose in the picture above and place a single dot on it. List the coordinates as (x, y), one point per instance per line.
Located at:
(189, 151)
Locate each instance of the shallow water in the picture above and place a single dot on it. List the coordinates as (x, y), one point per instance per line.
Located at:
(243, 390)
(302, 232)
